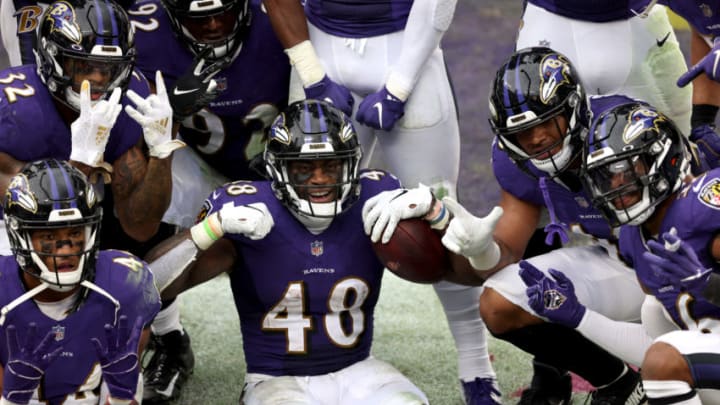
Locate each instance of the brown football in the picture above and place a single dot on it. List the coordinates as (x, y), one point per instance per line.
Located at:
(414, 252)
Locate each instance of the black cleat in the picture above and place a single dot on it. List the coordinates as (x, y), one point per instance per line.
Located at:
(549, 386)
(171, 364)
(627, 390)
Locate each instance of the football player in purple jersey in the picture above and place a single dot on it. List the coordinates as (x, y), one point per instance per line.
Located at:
(381, 63)
(538, 113)
(637, 171)
(73, 317)
(70, 106)
(228, 79)
(306, 315)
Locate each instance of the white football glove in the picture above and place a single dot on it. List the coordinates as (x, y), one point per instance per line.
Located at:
(91, 130)
(471, 236)
(252, 220)
(385, 210)
(154, 115)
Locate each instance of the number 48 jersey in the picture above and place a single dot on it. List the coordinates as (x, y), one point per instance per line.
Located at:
(305, 301)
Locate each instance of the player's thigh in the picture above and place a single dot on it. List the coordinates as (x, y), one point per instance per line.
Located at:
(702, 353)
(424, 145)
(192, 182)
(374, 381)
(599, 280)
(360, 64)
(263, 389)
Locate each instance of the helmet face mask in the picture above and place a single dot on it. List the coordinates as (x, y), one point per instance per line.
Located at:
(635, 158)
(534, 87)
(310, 137)
(84, 40)
(49, 206)
(213, 29)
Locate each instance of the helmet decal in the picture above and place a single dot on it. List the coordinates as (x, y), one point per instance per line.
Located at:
(18, 193)
(279, 132)
(641, 119)
(63, 19)
(347, 132)
(553, 73)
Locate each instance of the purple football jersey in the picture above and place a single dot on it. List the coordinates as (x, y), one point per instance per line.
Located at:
(305, 301)
(253, 89)
(593, 10)
(31, 127)
(572, 208)
(358, 18)
(702, 15)
(695, 214)
(123, 276)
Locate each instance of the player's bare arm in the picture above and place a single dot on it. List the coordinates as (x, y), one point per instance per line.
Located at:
(142, 188)
(9, 167)
(288, 20)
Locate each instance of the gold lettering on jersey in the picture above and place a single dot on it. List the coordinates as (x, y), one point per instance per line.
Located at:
(28, 17)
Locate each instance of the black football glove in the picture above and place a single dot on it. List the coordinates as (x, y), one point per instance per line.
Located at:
(195, 89)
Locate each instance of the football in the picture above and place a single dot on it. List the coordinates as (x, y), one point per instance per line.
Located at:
(414, 252)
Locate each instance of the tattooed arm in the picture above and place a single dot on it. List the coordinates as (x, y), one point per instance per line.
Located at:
(142, 188)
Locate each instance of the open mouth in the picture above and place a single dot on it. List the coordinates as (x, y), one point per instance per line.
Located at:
(321, 196)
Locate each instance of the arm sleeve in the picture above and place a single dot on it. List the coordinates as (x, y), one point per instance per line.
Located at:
(426, 25)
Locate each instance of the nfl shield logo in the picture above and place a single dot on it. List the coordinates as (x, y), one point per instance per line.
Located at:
(316, 248)
(59, 332)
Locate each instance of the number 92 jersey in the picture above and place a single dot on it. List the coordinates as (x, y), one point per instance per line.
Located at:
(253, 89)
(305, 301)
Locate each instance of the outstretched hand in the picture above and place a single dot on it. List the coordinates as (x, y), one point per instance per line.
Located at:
(119, 358)
(709, 64)
(675, 263)
(26, 364)
(552, 297)
(90, 132)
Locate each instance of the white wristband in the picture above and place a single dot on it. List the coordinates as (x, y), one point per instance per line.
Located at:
(398, 86)
(206, 232)
(488, 259)
(306, 62)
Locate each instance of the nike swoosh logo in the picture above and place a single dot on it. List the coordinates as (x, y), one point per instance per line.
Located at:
(179, 92)
(698, 185)
(661, 42)
(378, 107)
(215, 195)
(167, 392)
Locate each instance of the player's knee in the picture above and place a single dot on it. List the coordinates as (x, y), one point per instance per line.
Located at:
(664, 362)
(500, 315)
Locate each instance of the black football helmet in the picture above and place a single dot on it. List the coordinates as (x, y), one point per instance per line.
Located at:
(51, 194)
(635, 157)
(533, 86)
(312, 130)
(183, 13)
(79, 37)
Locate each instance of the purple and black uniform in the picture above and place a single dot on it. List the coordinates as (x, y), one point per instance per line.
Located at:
(305, 301)
(702, 15)
(253, 89)
(592, 10)
(358, 19)
(695, 214)
(120, 274)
